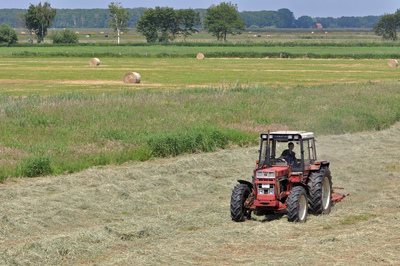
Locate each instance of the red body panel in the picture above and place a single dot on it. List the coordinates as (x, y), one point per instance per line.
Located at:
(271, 202)
(268, 205)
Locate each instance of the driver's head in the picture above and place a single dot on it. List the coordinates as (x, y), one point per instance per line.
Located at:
(291, 146)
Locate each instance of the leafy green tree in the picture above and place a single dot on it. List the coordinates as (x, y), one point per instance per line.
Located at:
(39, 18)
(287, 17)
(30, 20)
(7, 34)
(387, 26)
(148, 25)
(119, 18)
(163, 23)
(223, 19)
(167, 23)
(188, 20)
(66, 36)
(304, 22)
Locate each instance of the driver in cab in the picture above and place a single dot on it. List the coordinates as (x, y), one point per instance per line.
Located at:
(289, 155)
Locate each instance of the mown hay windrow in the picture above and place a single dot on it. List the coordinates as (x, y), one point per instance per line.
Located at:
(132, 77)
(94, 62)
(200, 56)
(393, 63)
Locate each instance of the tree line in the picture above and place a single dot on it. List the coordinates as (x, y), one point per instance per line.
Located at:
(283, 18)
(163, 23)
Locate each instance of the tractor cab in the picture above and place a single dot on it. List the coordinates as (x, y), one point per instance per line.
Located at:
(295, 149)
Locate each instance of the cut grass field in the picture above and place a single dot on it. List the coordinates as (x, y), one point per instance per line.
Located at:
(59, 116)
(176, 211)
(73, 116)
(48, 76)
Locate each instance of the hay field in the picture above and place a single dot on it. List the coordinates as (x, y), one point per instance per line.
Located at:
(57, 75)
(176, 211)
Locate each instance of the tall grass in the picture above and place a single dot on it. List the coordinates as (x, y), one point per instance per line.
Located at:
(34, 166)
(76, 131)
(292, 49)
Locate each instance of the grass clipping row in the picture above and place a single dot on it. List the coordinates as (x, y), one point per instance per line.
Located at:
(132, 77)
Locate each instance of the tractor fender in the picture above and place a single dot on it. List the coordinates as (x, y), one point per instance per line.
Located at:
(325, 164)
(305, 186)
(318, 164)
(249, 184)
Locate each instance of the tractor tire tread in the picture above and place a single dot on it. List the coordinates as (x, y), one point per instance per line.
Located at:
(293, 203)
(315, 198)
(239, 192)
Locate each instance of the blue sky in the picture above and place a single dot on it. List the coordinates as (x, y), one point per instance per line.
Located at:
(313, 8)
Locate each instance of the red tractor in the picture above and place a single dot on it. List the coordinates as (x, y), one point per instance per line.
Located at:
(288, 177)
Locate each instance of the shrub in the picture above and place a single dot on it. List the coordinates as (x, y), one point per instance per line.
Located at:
(34, 166)
(66, 36)
(198, 139)
(7, 34)
(205, 139)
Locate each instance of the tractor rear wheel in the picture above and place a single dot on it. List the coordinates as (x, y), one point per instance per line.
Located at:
(239, 196)
(321, 192)
(297, 206)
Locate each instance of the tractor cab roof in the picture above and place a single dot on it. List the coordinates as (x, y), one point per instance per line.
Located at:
(288, 135)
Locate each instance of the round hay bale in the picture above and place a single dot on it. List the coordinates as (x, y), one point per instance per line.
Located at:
(131, 77)
(200, 56)
(393, 63)
(94, 62)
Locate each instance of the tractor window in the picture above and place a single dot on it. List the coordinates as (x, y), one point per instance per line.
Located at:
(312, 150)
(307, 152)
(281, 151)
(263, 152)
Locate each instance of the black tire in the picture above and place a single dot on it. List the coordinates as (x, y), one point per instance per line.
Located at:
(320, 199)
(297, 206)
(239, 195)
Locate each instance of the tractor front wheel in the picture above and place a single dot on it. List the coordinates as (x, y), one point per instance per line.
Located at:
(240, 194)
(297, 206)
